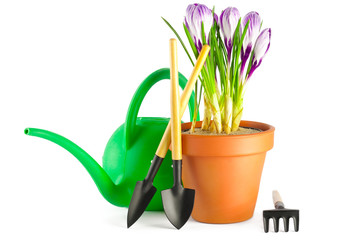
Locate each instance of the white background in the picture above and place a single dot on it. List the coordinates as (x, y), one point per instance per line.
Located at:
(72, 67)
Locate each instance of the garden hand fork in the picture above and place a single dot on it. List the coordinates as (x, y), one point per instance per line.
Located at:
(280, 212)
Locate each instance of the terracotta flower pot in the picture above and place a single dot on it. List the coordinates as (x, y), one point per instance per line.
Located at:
(225, 171)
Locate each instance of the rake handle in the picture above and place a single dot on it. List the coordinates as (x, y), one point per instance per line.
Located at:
(277, 200)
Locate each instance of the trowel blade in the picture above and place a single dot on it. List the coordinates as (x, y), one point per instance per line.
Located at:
(142, 195)
(178, 204)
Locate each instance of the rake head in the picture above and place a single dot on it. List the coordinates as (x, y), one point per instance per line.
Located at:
(277, 214)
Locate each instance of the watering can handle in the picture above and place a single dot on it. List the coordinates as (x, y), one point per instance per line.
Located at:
(144, 87)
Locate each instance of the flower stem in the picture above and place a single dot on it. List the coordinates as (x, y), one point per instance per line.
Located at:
(212, 127)
(227, 117)
(238, 107)
(227, 121)
(207, 114)
(237, 116)
(195, 109)
(217, 119)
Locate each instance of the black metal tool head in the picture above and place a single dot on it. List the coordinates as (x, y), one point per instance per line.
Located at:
(178, 201)
(142, 195)
(277, 214)
(178, 204)
(280, 212)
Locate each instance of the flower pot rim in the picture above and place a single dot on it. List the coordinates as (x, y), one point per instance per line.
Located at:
(264, 127)
(228, 145)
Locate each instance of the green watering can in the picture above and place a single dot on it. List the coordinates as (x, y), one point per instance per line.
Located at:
(128, 154)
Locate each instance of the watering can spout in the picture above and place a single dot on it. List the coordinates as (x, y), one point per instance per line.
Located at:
(115, 194)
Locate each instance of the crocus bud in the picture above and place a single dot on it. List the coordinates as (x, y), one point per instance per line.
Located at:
(196, 14)
(261, 47)
(228, 22)
(252, 33)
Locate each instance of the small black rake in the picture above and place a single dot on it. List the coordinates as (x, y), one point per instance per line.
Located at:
(280, 212)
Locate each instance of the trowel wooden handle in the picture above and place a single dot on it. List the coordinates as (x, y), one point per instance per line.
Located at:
(166, 139)
(174, 102)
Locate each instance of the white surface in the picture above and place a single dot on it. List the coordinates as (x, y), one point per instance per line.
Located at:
(72, 67)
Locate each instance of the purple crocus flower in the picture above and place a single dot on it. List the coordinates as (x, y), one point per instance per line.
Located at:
(196, 14)
(261, 47)
(252, 33)
(254, 27)
(228, 22)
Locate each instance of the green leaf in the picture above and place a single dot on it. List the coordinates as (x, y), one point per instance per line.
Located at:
(221, 65)
(236, 39)
(235, 52)
(220, 61)
(200, 97)
(203, 35)
(180, 40)
(249, 64)
(190, 40)
(195, 114)
(244, 33)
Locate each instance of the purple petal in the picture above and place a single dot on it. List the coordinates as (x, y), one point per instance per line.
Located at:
(228, 22)
(254, 18)
(261, 47)
(253, 67)
(186, 23)
(244, 56)
(262, 44)
(196, 14)
(254, 27)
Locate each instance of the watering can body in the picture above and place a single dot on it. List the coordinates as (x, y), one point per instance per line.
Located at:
(126, 166)
(129, 151)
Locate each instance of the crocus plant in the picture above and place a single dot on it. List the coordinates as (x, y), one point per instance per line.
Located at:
(238, 47)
